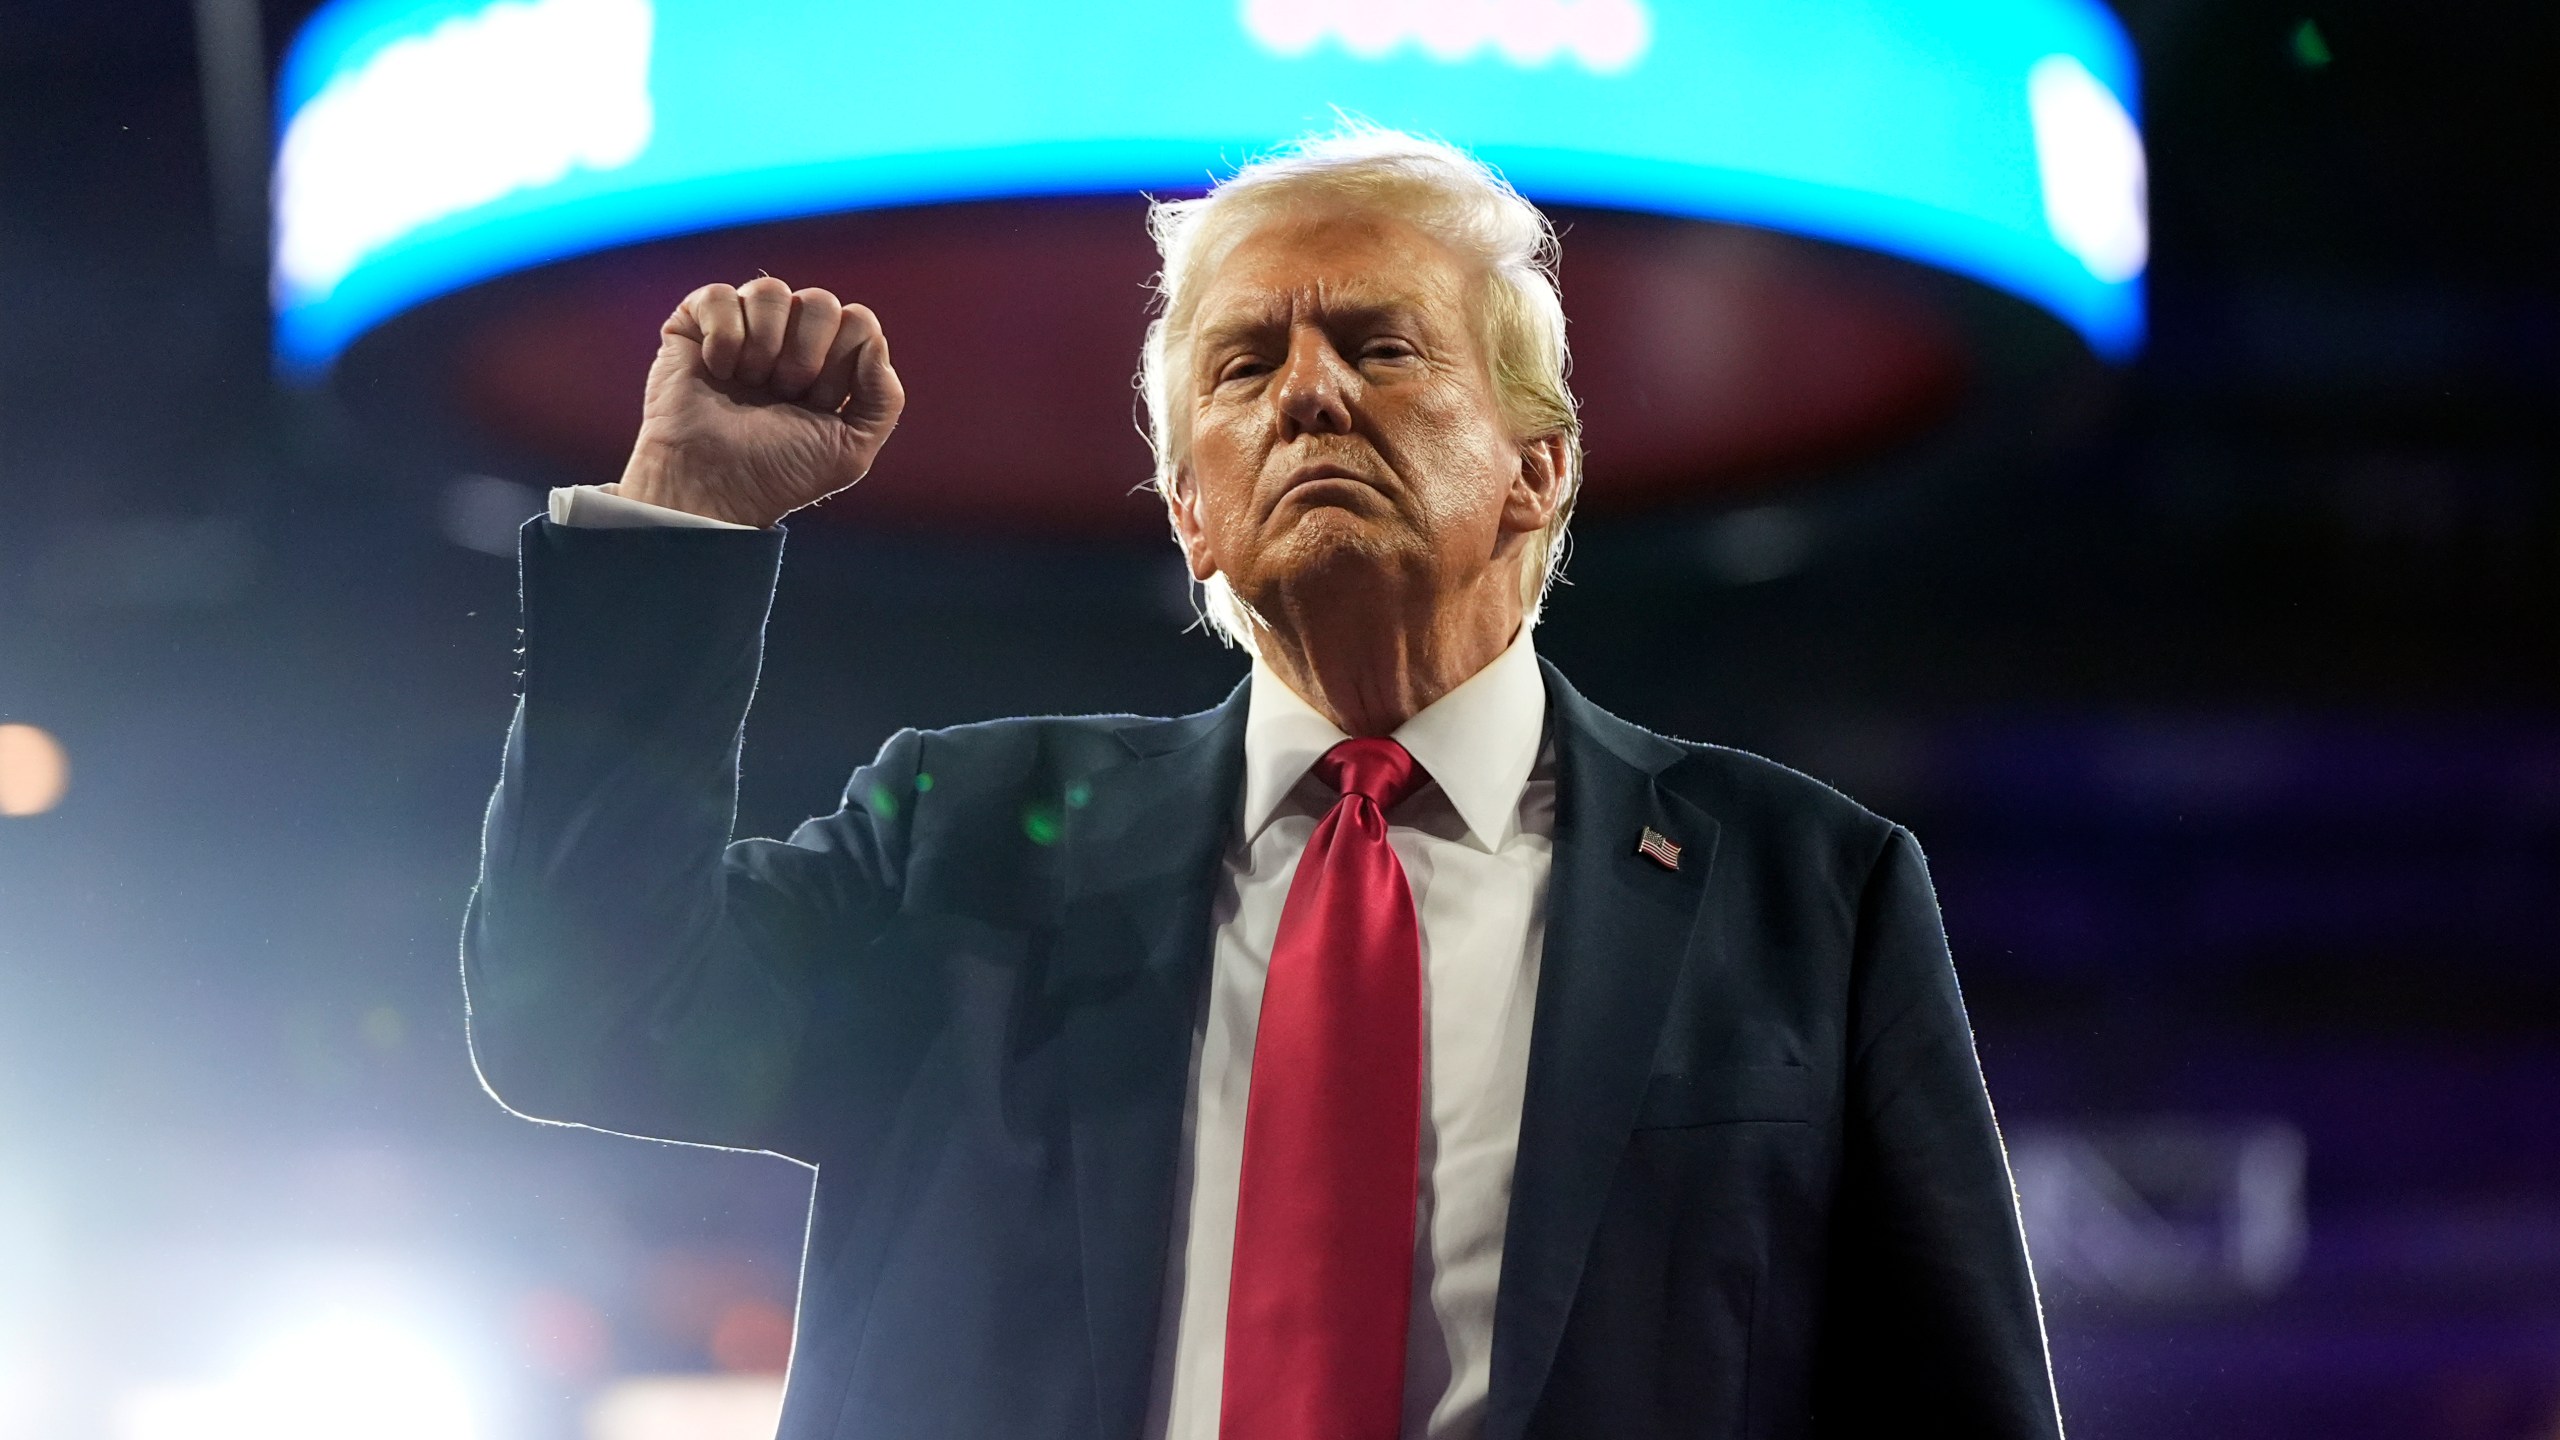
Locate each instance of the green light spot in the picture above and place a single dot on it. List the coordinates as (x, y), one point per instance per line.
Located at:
(1079, 795)
(2310, 47)
(1040, 824)
(883, 804)
(924, 781)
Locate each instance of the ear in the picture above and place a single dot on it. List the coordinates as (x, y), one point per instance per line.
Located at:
(1189, 528)
(1536, 492)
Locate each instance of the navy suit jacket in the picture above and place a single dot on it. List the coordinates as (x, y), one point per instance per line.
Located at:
(1759, 1191)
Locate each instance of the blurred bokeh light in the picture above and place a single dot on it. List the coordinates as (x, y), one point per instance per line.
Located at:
(34, 772)
(335, 1376)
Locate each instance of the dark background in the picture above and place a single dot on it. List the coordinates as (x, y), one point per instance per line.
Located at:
(2229, 719)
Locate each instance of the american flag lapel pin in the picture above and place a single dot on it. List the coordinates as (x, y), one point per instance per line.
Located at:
(1657, 847)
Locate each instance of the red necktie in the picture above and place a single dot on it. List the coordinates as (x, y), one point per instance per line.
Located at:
(1317, 1301)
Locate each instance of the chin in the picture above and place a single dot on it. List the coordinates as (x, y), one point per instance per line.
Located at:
(1327, 536)
(1336, 551)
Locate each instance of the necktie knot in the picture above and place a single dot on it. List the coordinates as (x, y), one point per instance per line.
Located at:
(1373, 767)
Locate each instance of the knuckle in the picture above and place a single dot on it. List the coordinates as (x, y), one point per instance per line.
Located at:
(765, 287)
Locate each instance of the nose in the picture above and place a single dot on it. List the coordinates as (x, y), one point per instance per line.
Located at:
(1315, 389)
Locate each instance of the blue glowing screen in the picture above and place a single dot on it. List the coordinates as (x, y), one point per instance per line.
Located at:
(426, 145)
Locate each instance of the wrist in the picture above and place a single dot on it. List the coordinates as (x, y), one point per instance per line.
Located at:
(656, 476)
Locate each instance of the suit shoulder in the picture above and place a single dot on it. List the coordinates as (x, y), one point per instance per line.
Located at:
(1007, 753)
(1057, 735)
(1783, 833)
(1746, 792)
(1739, 786)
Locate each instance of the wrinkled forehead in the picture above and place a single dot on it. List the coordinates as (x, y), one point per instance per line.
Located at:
(1334, 260)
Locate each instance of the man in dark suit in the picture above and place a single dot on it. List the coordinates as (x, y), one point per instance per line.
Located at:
(1405, 1047)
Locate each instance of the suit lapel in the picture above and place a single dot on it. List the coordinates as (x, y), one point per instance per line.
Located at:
(1141, 867)
(1141, 864)
(1619, 928)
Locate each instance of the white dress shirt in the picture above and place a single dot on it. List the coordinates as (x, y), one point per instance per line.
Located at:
(1476, 845)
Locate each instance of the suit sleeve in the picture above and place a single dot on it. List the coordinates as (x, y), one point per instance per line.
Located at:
(1931, 1319)
(626, 966)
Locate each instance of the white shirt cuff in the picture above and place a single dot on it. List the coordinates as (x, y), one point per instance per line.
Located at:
(594, 507)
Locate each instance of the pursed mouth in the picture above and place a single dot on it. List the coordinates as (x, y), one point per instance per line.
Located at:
(1322, 477)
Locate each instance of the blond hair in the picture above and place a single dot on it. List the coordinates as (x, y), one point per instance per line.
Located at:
(1447, 194)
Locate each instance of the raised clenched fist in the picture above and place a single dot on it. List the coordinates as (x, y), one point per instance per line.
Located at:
(762, 399)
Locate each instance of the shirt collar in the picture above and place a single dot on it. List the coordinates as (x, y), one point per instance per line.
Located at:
(1479, 742)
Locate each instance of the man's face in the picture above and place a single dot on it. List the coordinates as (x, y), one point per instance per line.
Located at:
(1344, 430)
